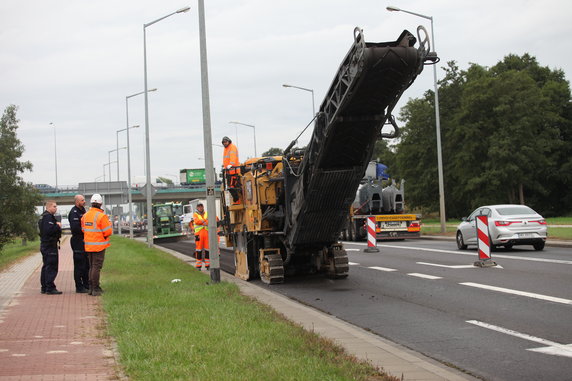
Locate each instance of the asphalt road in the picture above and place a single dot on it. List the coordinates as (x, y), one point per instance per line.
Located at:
(510, 322)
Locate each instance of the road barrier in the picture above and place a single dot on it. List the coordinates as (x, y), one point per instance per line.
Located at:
(371, 236)
(483, 243)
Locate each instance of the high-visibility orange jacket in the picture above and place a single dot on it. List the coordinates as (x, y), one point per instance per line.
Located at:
(201, 221)
(96, 230)
(230, 157)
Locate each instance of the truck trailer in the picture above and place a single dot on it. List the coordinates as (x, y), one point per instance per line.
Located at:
(382, 199)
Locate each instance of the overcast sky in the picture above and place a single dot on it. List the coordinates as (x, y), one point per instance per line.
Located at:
(72, 63)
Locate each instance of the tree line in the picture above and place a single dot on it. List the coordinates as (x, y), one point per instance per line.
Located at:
(17, 197)
(506, 135)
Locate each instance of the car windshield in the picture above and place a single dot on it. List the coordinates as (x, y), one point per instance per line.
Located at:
(513, 210)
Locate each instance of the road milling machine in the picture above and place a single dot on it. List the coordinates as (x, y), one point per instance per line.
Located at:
(283, 214)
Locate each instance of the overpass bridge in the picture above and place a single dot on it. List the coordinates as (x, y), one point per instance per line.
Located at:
(116, 193)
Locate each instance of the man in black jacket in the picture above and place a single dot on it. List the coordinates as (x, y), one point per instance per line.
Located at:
(80, 260)
(50, 233)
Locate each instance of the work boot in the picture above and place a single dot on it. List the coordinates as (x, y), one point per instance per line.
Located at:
(55, 291)
(95, 293)
(81, 290)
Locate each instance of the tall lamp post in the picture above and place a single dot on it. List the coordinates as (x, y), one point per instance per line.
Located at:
(108, 189)
(109, 163)
(207, 142)
(128, 173)
(305, 89)
(148, 194)
(129, 197)
(437, 121)
(254, 128)
(55, 154)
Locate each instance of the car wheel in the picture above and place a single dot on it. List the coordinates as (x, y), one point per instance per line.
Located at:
(539, 245)
(460, 242)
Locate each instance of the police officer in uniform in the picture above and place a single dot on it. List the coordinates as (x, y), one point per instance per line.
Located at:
(80, 259)
(50, 233)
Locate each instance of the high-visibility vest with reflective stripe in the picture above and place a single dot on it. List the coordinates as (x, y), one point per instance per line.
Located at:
(230, 157)
(96, 230)
(200, 222)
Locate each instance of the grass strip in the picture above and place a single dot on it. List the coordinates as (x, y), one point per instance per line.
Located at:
(194, 330)
(559, 233)
(15, 251)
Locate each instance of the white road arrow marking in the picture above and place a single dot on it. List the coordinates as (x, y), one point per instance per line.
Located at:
(551, 348)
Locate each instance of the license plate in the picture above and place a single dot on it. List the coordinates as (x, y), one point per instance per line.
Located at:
(392, 224)
(525, 235)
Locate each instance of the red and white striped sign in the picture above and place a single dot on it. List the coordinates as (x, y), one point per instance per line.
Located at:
(371, 236)
(371, 232)
(483, 242)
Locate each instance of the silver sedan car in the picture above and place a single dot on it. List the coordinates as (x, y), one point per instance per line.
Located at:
(508, 225)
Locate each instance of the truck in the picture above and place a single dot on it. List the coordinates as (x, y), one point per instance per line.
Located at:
(383, 199)
(194, 176)
(166, 223)
(283, 215)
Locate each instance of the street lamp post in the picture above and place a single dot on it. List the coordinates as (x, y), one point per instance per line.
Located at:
(437, 121)
(55, 154)
(108, 189)
(129, 196)
(207, 142)
(109, 163)
(305, 89)
(128, 174)
(254, 128)
(148, 194)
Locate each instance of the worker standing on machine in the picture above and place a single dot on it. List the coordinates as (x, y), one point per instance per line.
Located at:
(230, 164)
(201, 223)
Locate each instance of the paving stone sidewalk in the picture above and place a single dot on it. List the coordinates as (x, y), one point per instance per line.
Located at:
(51, 337)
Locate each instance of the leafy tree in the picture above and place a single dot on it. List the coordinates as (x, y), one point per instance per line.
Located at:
(17, 198)
(273, 151)
(506, 136)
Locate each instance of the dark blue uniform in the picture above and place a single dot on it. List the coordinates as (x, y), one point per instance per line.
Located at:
(50, 233)
(80, 259)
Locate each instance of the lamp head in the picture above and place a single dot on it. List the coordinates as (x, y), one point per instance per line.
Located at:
(182, 10)
(391, 8)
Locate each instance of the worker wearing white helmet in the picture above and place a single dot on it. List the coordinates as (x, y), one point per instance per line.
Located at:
(96, 232)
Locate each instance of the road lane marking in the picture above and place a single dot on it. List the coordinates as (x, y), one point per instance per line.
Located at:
(447, 266)
(353, 264)
(473, 254)
(352, 249)
(425, 276)
(454, 266)
(381, 268)
(517, 292)
(550, 348)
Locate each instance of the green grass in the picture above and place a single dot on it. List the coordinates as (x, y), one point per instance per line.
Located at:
(560, 233)
(15, 251)
(434, 228)
(194, 330)
(559, 221)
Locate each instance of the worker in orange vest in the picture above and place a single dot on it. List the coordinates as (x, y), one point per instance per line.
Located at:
(96, 232)
(230, 164)
(201, 223)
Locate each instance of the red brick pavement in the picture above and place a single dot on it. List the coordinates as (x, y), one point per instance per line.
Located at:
(55, 337)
